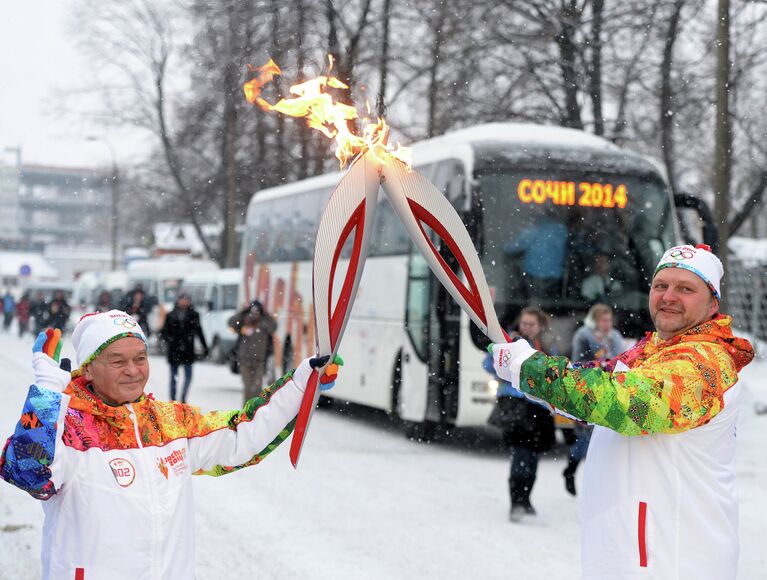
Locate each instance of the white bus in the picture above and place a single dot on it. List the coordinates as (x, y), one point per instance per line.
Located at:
(214, 294)
(408, 347)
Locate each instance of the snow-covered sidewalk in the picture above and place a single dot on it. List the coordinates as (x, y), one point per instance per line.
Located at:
(367, 503)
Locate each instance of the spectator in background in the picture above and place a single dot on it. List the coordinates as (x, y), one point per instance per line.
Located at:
(59, 311)
(254, 328)
(594, 342)
(23, 312)
(182, 326)
(9, 309)
(104, 301)
(137, 304)
(528, 427)
(39, 311)
(599, 286)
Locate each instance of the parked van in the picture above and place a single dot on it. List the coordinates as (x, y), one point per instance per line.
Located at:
(214, 295)
(161, 279)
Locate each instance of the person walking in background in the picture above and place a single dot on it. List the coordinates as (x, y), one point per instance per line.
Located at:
(138, 306)
(104, 302)
(9, 309)
(182, 326)
(39, 311)
(254, 328)
(528, 427)
(23, 313)
(594, 342)
(59, 311)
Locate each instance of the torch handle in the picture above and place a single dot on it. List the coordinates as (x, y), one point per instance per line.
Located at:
(311, 396)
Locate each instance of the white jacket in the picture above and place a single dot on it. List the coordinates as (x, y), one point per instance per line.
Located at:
(663, 506)
(117, 480)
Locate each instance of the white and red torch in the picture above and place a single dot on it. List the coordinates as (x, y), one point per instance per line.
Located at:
(351, 209)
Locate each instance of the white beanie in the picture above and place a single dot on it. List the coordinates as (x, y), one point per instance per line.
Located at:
(96, 331)
(699, 260)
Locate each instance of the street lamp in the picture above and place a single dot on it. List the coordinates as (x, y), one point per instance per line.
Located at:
(115, 178)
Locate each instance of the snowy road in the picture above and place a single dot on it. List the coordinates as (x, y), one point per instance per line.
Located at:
(367, 503)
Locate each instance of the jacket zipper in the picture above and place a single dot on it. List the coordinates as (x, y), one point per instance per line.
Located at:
(152, 497)
(642, 531)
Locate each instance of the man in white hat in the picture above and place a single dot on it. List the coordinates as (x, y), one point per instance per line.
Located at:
(114, 465)
(659, 496)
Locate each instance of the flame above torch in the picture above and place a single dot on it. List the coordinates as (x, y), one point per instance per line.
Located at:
(330, 117)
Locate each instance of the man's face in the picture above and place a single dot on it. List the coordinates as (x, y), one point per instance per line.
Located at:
(679, 300)
(120, 372)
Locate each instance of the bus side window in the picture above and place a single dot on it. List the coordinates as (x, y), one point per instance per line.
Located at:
(450, 179)
(214, 302)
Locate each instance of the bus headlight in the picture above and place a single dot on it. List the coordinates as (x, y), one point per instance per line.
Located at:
(485, 387)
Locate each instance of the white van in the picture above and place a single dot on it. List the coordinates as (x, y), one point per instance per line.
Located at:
(214, 296)
(161, 279)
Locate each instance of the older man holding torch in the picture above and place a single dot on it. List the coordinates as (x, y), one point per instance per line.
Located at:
(114, 465)
(659, 494)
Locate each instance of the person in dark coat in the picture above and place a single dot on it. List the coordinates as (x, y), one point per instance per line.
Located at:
(138, 305)
(254, 328)
(59, 311)
(38, 309)
(528, 427)
(182, 326)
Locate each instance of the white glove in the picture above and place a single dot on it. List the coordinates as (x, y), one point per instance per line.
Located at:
(48, 373)
(508, 359)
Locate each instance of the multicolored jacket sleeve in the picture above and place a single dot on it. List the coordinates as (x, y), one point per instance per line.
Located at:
(221, 442)
(679, 389)
(32, 459)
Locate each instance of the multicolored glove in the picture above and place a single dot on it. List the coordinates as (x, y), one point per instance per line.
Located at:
(49, 374)
(328, 375)
(508, 359)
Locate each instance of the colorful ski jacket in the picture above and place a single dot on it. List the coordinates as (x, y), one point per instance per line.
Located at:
(117, 480)
(659, 493)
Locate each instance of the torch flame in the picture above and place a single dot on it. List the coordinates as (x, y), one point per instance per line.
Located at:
(330, 117)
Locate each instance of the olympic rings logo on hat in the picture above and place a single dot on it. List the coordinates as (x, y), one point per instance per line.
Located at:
(682, 254)
(126, 322)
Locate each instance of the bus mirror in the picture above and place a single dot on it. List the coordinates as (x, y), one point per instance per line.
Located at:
(708, 229)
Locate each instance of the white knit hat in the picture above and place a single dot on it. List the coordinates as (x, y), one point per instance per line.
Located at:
(96, 331)
(699, 260)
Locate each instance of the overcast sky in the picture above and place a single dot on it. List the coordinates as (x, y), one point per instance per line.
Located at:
(40, 61)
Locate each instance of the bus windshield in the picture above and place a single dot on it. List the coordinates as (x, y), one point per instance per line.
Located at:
(567, 240)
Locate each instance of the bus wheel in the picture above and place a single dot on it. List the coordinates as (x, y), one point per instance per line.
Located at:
(421, 431)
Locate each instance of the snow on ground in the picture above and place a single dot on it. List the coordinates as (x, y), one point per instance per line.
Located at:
(367, 503)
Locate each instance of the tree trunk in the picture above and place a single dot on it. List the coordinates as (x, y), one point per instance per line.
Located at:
(304, 132)
(567, 55)
(723, 134)
(667, 104)
(384, 64)
(229, 257)
(597, 8)
(434, 67)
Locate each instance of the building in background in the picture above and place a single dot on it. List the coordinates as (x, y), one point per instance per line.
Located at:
(9, 200)
(65, 206)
